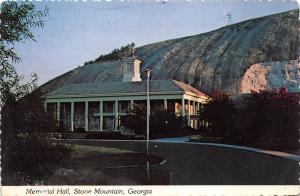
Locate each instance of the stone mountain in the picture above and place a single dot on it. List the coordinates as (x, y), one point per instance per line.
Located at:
(228, 59)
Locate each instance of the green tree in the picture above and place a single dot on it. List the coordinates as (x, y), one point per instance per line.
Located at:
(116, 54)
(17, 20)
(136, 119)
(26, 158)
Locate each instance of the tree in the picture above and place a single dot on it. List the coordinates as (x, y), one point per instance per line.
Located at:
(166, 122)
(17, 20)
(26, 158)
(272, 114)
(161, 121)
(219, 113)
(136, 119)
(116, 54)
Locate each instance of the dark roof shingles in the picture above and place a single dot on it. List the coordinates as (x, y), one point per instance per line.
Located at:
(124, 87)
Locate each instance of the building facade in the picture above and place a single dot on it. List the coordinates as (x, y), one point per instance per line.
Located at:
(101, 106)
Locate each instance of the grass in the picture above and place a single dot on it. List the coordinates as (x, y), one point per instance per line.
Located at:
(84, 151)
(91, 165)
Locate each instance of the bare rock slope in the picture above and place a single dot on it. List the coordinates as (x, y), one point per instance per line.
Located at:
(213, 61)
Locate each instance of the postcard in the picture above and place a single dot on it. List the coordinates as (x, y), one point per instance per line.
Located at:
(166, 97)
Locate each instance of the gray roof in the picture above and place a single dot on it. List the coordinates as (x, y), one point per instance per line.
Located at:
(115, 88)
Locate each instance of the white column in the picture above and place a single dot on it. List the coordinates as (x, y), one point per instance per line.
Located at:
(183, 107)
(194, 113)
(101, 115)
(194, 107)
(116, 115)
(72, 116)
(131, 103)
(45, 106)
(58, 111)
(86, 116)
(189, 112)
(165, 104)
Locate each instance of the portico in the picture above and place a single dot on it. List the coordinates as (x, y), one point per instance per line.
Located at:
(104, 112)
(101, 106)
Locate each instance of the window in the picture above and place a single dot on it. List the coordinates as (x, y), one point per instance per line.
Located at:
(124, 106)
(108, 106)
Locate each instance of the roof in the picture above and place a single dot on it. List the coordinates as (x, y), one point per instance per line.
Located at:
(119, 88)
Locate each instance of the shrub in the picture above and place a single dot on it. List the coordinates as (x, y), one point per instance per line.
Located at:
(104, 135)
(136, 119)
(26, 157)
(273, 114)
(165, 122)
(219, 113)
(79, 130)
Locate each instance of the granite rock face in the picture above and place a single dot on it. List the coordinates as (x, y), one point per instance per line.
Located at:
(213, 61)
(270, 75)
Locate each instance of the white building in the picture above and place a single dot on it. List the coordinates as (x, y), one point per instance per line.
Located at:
(100, 106)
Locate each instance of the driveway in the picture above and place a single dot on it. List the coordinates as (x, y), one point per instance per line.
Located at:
(207, 164)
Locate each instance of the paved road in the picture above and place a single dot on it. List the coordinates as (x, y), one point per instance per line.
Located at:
(200, 164)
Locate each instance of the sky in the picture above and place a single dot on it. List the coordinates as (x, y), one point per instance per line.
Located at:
(76, 32)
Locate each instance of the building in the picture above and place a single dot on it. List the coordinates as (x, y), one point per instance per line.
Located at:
(101, 106)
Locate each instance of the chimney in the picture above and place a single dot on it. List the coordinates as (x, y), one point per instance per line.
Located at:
(132, 70)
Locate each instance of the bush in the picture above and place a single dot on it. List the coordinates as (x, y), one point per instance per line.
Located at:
(34, 162)
(79, 130)
(136, 119)
(272, 114)
(162, 122)
(104, 135)
(219, 114)
(166, 121)
(268, 119)
(26, 157)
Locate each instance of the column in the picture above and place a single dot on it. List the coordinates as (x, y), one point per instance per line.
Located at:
(183, 107)
(116, 115)
(165, 104)
(72, 116)
(58, 111)
(101, 115)
(86, 116)
(131, 103)
(194, 113)
(189, 112)
(45, 106)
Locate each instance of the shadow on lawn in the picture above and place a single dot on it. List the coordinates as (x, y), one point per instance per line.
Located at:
(109, 166)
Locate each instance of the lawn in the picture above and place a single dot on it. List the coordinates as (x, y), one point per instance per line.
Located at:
(90, 165)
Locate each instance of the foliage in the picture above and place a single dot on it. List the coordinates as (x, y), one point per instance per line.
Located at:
(160, 121)
(104, 135)
(26, 158)
(261, 117)
(17, 19)
(30, 160)
(219, 113)
(136, 119)
(273, 114)
(22, 147)
(116, 54)
(166, 121)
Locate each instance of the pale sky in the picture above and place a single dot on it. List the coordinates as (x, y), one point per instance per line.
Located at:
(76, 32)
